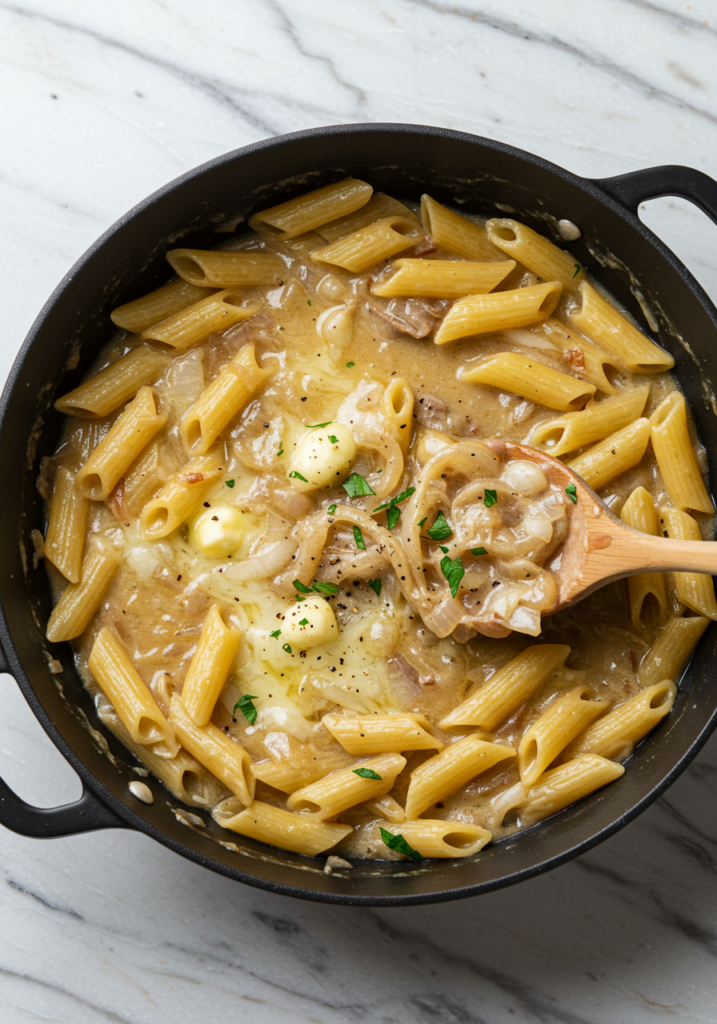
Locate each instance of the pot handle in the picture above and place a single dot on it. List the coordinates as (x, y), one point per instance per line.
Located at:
(88, 814)
(635, 187)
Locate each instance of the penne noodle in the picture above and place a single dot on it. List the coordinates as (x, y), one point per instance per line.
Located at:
(442, 279)
(224, 399)
(218, 753)
(576, 429)
(65, 537)
(531, 379)
(287, 776)
(435, 838)
(106, 391)
(616, 454)
(342, 789)
(616, 734)
(606, 326)
(218, 312)
(446, 772)
(639, 513)
(567, 784)
(309, 211)
(534, 251)
(209, 667)
(498, 311)
(300, 833)
(459, 235)
(79, 601)
(387, 808)
(585, 359)
(563, 720)
(119, 448)
(673, 645)
(379, 206)
(247, 268)
(370, 245)
(143, 480)
(130, 696)
(495, 700)
(676, 457)
(397, 410)
(180, 497)
(139, 314)
(694, 589)
(381, 734)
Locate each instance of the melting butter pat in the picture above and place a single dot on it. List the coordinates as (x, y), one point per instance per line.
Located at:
(323, 457)
(218, 531)
(310, 623)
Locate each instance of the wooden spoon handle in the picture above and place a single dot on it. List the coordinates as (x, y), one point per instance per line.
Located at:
(657, 553)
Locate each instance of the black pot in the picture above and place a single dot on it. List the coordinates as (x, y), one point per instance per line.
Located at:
(477, 175)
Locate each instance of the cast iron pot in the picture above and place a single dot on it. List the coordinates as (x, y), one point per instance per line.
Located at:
(476, 175)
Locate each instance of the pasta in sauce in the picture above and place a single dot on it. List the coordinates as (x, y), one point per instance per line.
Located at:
(303, 581)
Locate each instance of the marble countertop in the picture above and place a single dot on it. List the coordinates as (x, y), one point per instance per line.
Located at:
(103, 103)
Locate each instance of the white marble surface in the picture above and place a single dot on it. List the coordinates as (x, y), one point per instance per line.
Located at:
(102, 103)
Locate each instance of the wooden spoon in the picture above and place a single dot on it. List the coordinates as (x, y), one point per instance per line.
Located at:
(599, 548)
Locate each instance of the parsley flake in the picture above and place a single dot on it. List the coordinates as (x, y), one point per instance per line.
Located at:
(367, 773)
(358, 537)
(298, 476)
(440, 529)
(331, 510)
(397, 500)
(309, 301)
(281, 450)
(230, 483)
(399, 844)
(444, 550)
(393, 514)
(375, 585)
(333, 439)
(577, 269)
(572, 493)
(454, 572)
(276, 633)
(349, 365)
(490, 498)
(356, 487)
(326, 588)
(315, 426)
(422, 522)
(303, 622)
(478, 551)
(286, 647)
(246, 706)
(301, 587)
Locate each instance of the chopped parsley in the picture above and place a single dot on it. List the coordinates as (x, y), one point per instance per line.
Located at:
(298, 476)
(367, 773)
(395, 501)
(577, 269)
(309, 301)
(331, 510)
(315, 426)
(301, 587)
(440, 529)
(286, 647)
(478, 551)
(281, 450)
(454, 572)
(572, 493)
(490, 498)
(230, 483)
(349, 365)
(333, 439)
(356, 487)
(393, 514)
(375, 585)
(303, 622)
(326, 588)
(399, 844)
(358, 537)
(275, 633)
(422, 522)
(444, 550)
(246, 706)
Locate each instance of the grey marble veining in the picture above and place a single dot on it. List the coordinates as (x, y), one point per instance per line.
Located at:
(101, 104)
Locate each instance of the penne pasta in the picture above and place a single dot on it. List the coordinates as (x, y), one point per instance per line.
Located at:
(209, 667)
(387, 808)
(309, 211)
(563, 720)
(435, 838)
(219, 754)
(534, 251)
(531, 379)
(593, 423)
(181, 496)
(106, 391)
(442, 279)
(218, 312)
(671, 650)
(616, 454)
(495, 700)
(130, 696)
(498, 311)
(65, 537)
(128, 436)
(300, 833)
(370, 245)
(79, 601)
(567, 784)
(379, 206)
(616, 734)
(606, 326)
(639, 513)
(381, 734)
(588, 361)
(676, 457)
(288, 776)
(142, 481)
(446, 772)
(345, 788)
(457, 234)
(139, 314)
(694, 589)
(247, 268)
(224, 399)
(397, 410)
